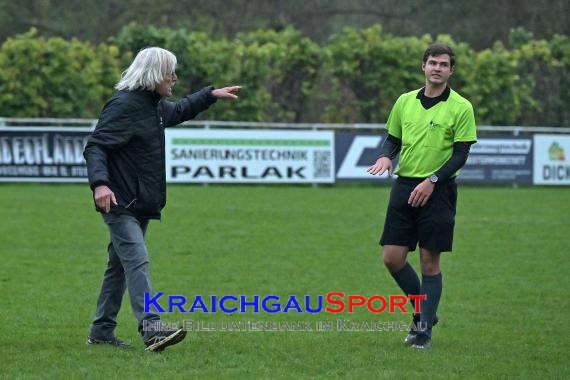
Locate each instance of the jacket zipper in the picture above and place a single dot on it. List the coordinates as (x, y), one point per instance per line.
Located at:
(162, 155)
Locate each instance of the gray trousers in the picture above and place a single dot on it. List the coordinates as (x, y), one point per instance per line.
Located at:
(127, 267)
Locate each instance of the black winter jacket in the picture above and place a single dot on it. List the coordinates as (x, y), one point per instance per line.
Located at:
(126, 150)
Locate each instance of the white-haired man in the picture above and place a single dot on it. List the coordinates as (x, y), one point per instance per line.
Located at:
(126, 169)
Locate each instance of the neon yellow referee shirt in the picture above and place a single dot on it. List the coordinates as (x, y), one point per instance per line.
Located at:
(428, 135)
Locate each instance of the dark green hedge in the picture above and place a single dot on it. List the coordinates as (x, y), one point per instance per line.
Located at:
(355, 77)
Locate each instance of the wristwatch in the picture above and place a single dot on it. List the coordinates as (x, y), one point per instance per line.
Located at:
(433, 178)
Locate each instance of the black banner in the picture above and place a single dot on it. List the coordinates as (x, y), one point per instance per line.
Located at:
(42, 155)
(499, 160)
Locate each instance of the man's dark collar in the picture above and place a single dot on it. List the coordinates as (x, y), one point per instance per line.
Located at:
(427, 102)
(442, 98)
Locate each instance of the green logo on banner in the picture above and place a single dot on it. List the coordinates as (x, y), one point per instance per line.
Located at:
(556, 152)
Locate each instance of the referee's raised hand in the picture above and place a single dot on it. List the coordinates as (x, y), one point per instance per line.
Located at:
(382, 164)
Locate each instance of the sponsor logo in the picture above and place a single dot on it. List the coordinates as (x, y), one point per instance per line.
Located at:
(240, 156)
(239, 172)
(556, 152)
(351, 166)
(553, 172)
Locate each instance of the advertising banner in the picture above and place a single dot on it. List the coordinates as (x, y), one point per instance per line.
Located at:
(491, 161)
(551, 160)
(42, 155)
(39, 154)
(249, 156)
(503, 160)
(355, 153)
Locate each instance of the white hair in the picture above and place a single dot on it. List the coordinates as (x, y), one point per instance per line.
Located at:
(149, 68)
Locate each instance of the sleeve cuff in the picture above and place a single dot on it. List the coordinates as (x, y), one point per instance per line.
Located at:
(99, 183)
(211, 98)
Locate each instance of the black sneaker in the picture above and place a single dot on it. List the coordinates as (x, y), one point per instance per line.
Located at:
(412, 334)
(163, 339)
(422, 341)
(114, 341)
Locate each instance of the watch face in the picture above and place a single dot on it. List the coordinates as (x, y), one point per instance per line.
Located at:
(433, 178)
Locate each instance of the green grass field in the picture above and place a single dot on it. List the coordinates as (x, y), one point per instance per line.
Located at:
(504, 310)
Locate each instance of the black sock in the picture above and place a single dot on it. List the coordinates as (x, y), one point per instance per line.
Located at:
(431, 287)
(408, 281)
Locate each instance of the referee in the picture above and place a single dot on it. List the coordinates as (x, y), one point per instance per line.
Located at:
(432, 129)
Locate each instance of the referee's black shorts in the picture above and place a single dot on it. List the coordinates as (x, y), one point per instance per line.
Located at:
(431, 225)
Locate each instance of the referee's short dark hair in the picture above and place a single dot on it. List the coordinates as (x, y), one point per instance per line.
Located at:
(438, 49)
